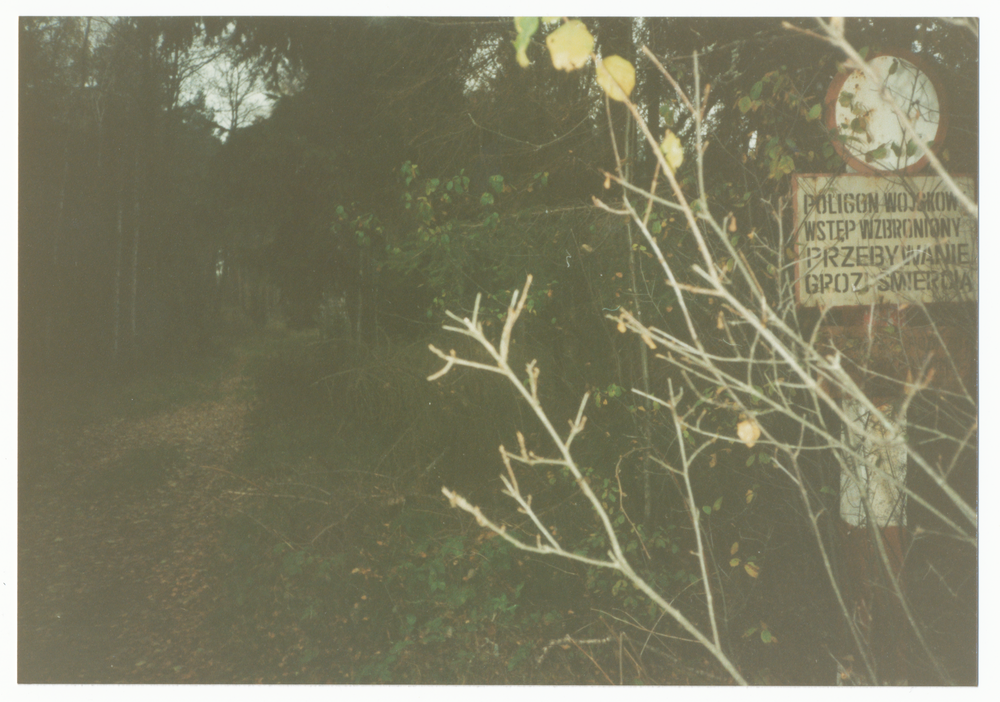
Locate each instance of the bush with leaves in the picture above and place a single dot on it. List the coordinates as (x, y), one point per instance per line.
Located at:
(751, 373)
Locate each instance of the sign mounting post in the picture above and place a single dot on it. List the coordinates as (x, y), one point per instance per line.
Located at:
(879, 243)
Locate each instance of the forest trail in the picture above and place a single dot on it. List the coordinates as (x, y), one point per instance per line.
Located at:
(119, 527)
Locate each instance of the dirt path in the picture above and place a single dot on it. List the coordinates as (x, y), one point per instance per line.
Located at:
(118, 528)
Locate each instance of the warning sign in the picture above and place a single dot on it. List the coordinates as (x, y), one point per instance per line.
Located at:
(863, 240)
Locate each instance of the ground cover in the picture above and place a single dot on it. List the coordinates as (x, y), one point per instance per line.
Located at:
(172, 530)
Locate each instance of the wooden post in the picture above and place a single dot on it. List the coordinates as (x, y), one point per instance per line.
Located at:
(873, 529)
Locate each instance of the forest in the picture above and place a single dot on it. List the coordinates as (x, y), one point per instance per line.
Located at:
(488, 351)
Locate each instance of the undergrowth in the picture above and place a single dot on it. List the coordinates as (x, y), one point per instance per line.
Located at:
(341, 547)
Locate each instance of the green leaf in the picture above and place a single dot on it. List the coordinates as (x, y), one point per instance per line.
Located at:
(707, 509)
(756, 90)
(667, 113)
(526, 28)
(718, 505)
(745, 104)
(846, 99)
(814, 112)
(877, 154)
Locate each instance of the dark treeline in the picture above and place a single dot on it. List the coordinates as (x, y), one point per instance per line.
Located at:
(139, 211)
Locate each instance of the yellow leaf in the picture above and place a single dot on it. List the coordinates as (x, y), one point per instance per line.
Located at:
(748, 431)
(734, 548)
(617, 77)
(522, 56)
(750, 496)
(734, 562)
(672, 150)
(570, 46)
(752, 570)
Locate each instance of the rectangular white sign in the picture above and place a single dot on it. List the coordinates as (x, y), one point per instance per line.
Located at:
(863, 240)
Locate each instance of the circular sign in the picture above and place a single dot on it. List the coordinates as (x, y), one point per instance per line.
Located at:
(868, 133)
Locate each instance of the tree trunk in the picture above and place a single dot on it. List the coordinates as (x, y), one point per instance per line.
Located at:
(144, 134)
(134, 258)
(651, 92)
(57, 302)
(117, 312)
